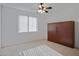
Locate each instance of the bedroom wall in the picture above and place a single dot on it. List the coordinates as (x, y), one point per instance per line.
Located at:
(0, 26)
(10, 34)
(66, 12)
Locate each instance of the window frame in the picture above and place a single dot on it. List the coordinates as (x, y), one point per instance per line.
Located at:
(28, 25)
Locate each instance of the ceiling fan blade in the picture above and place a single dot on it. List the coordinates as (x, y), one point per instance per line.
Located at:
(46, 11)
(49, 8)
(41, 3)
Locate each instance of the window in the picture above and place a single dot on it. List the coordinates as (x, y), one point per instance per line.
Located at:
(27, 24)
(32, 24)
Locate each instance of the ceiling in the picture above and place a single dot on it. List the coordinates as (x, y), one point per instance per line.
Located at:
(32, 7)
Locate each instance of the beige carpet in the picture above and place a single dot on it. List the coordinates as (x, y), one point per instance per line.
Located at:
(42, 50)
(14, 50)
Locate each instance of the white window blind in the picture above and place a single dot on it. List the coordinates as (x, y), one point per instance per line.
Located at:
(27, 24)
(32, 24)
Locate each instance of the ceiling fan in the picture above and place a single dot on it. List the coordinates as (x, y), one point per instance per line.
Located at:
(43, 8)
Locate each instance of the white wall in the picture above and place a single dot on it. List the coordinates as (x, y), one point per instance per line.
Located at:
(10, 26)
(66, 12)
(0, 26)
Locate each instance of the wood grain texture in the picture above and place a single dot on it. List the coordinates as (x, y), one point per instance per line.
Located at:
(62, 33)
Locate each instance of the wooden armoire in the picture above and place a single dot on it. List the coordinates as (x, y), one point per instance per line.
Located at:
(62, 33)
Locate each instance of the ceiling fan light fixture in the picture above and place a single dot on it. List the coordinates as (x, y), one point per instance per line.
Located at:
(43, 8)
(40, 6)
(41, 11)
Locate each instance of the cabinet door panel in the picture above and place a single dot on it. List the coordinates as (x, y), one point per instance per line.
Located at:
(65, 33)
(52, 32)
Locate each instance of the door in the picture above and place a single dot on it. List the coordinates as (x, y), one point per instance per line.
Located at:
(52, 32)
(65, 33)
